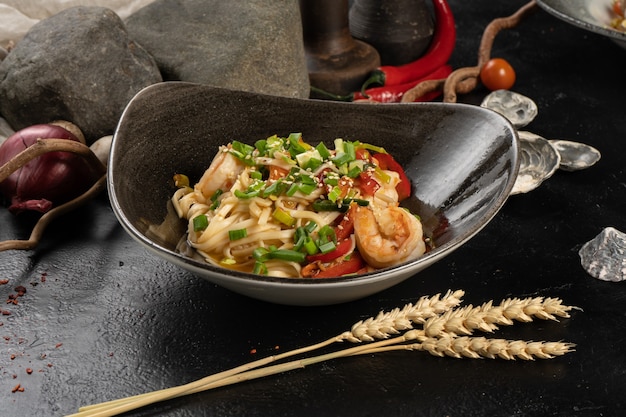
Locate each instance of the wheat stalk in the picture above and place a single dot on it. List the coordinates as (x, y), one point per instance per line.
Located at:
(379, 327)
(445, 332)
(481, 347)
(486, 317)
(397, 320)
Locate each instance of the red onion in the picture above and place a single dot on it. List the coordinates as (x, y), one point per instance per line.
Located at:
(48, 180)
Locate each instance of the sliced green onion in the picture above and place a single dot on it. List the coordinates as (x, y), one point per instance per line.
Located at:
(338, 146)
(310, 226)
(261, 254)
(326, 234)
(307, 188)
(259, 268)
(331, 180)
(275, 188)
(244, 195)
(307, 179)
(253, 190)
(261, 146)
(256, 175)
(313, 164)
(342, 206)
(200, 222)
(310, 246)
(283, 217)
(292, 189)
(288, 255)
(327, 247)
(342, 158)
(334, 194)
(214, 199)
(241, 147)
(323, 151)
(237, 234)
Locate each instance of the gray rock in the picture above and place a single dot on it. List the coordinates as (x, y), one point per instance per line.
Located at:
(252, 45)
(604, 257)
(79, 65)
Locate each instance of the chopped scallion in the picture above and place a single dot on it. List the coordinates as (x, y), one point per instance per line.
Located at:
(288, 255)
(283, 217)
(259, 268)
(323, 151)
(200, 222)
(237, 234)
(327, 247)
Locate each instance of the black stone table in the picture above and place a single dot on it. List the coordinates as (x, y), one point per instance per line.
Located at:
(102, 318)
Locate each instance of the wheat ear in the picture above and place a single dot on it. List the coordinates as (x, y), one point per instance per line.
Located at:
(481, 347)
(486, 317)
(379, 327)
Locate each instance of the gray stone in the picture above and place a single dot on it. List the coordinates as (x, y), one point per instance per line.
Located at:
(252, 45)
(79, 65)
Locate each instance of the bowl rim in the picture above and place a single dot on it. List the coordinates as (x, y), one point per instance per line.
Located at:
(406, 268)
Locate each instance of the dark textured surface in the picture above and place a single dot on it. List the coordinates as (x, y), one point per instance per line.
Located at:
(128, 323)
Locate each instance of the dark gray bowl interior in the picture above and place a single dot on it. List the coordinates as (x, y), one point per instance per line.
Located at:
(462, 159)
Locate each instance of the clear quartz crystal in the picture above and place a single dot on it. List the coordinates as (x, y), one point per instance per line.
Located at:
(604, 257)
(518, 109)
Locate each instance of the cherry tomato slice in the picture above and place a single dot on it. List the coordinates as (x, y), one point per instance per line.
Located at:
(386, 162)
(497, 74)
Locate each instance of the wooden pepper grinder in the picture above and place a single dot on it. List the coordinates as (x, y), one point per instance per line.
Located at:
(337, 63)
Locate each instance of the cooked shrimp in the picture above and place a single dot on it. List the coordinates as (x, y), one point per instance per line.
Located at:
(387, 236)
(222, 173)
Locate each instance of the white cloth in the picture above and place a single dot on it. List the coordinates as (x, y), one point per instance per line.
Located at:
(17, 16)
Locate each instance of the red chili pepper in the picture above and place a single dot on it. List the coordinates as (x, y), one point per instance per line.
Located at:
(438, 53)
(346, 266)
(386, 161)
(343, 247)
(392, 93)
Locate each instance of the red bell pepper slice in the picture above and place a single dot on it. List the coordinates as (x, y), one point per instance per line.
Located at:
(386, 162)
(345, 267)
(346, 226)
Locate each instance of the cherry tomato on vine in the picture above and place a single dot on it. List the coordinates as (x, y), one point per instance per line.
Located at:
(497, 74)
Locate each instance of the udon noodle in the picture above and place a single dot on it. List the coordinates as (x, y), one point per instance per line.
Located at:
(286, 208)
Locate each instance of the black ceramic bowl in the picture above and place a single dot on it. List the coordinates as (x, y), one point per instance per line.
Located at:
(462, 160)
